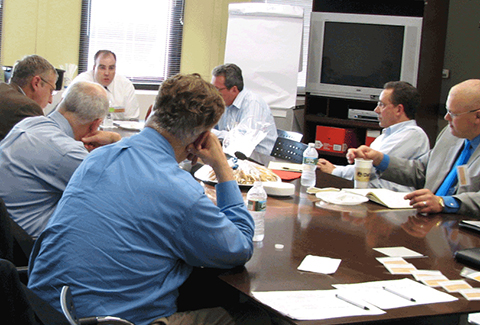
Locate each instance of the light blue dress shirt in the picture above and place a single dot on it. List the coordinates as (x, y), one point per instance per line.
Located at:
(404, 140)
(130, 227)
(250, 110)
(37, 159)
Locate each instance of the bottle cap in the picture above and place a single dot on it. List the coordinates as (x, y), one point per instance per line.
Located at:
(111, 109)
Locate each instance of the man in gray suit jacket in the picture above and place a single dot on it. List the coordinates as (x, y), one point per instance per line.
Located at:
(430, 171)
(29, 91)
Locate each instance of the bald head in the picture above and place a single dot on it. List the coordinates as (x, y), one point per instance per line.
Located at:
(463, 109)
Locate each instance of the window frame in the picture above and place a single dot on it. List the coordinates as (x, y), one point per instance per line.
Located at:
(174, 47)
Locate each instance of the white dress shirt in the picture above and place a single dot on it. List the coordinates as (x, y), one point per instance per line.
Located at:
(121, 94)
(250, 110)
(403, 140)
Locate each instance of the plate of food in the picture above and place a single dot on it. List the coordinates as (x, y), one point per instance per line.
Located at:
(130, 125)
(245, 174)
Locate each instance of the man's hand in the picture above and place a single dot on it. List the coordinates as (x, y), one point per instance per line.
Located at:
(365, 153)
(325, 166)
(424, 201)
(208, 148)
(100, 138)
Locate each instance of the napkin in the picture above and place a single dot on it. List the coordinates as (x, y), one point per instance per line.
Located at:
(287, 175)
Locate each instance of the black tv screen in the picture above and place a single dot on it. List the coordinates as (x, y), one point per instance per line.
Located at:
(363, 55)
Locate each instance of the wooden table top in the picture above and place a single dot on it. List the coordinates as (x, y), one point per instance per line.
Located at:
(350, 233)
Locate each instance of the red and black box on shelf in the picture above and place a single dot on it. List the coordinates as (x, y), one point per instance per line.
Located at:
(337, 140)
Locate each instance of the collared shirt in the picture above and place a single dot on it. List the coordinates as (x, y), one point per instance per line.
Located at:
(130, 227)
(452, 205)
(251, 111)
(405, 140)
(121, 93)
(37, 159)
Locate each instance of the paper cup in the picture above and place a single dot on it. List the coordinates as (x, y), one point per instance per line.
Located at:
(363, 169)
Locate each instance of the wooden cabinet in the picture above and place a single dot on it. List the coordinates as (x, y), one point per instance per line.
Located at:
(329, 111)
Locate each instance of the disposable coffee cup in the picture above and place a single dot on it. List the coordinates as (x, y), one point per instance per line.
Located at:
(363, 169)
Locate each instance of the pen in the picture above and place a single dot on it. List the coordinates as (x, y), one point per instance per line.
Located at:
(398, 294)
(351, 302)
(292, 169)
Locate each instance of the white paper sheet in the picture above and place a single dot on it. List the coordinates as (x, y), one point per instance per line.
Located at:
(374, 293)
(398, 252)
(319, 264)
(313, 304)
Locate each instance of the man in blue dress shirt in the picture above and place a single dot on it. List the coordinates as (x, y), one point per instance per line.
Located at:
(40, 154)
(132, 224)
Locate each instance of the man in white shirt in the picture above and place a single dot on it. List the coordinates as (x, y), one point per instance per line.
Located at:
(245, 110)
(120, 90)
(401, 137)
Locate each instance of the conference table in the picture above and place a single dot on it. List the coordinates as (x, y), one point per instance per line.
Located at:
(296, 227)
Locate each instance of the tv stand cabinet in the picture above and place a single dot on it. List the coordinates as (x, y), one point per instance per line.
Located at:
(329, 111)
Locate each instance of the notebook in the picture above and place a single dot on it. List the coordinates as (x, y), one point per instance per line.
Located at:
(383, 196)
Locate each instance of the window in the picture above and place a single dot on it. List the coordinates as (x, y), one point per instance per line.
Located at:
(307, 10)
(145, 35)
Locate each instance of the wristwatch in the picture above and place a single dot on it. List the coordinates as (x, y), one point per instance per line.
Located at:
(441, 202)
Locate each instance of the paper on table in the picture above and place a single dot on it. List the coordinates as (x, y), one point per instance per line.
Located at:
(398, 252)
(392, 260)
(472, 294)
(319, 264)
(313, 304)
(374, 293)
(400, 268)
(455, 285)
(285, 166)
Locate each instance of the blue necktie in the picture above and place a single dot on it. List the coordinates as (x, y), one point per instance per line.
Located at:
(451, 179)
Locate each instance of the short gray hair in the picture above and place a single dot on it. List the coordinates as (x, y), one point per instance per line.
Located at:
(28, 67)
(88, 101)
(232, 74)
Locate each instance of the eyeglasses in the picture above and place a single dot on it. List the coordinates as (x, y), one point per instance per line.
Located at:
(220, 89)
(458, 114)
(53, 87)
(382, 105)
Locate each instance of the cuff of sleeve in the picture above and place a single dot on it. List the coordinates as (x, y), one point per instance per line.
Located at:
(452, 205)
(228, 193)
(383, 164)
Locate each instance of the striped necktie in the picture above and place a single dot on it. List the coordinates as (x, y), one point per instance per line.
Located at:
(448, 184)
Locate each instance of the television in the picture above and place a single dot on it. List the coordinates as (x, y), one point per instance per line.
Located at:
(354, 55)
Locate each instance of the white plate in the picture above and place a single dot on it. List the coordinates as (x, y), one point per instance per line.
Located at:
(203, 172)
(341, 198)
(130, 125)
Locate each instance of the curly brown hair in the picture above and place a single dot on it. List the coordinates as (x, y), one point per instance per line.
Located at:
(186, 106)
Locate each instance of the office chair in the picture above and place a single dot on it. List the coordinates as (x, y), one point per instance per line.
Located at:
(289, 150)
(292, 135)
(15, 243)
(68, 309)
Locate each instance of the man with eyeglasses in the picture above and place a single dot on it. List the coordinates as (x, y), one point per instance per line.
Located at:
(396, 110)
(448, 176)
(39, 155)
(245, 110)
(28, 93)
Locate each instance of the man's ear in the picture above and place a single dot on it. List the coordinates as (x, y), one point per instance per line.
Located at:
(35, 82)
(94, 125)
(400, 109)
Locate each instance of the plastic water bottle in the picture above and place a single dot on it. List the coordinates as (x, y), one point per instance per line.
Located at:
(310, 159)
(108, 122)
(257, 206)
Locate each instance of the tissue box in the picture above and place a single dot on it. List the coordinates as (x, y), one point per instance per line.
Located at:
(332, 139)
(371, 135)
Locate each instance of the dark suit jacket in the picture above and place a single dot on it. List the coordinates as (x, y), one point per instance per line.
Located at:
(14, 107)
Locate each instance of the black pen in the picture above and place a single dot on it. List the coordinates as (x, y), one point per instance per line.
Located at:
(351, 302)
(398, 294)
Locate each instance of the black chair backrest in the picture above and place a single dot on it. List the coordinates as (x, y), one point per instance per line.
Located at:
(289, 150)
(15, 244)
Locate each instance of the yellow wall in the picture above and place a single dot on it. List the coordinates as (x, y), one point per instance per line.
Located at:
(51, 28)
